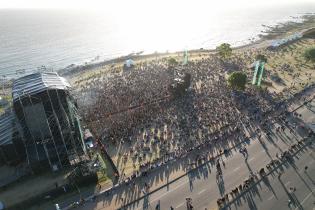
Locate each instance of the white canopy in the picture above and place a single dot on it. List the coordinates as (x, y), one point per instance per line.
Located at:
(129, 63)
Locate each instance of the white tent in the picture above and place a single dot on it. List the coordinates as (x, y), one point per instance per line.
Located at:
(129, 63)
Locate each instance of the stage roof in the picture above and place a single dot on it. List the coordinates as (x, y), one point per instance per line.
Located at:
(36, 83)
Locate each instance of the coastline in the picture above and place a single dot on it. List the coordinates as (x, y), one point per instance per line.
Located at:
(278, 31)
(89, 73)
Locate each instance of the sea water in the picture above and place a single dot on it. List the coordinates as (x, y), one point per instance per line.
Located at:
(58, 38)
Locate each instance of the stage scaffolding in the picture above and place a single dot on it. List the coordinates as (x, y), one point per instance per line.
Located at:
(50, 124)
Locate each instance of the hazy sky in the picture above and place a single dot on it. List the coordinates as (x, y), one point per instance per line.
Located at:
(157, 4)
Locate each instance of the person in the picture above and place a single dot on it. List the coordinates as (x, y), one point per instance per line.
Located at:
(242, 151)
(158, 206)
(171, 208)
(305, 168)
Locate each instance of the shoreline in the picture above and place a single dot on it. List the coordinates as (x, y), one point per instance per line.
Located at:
(278, 31)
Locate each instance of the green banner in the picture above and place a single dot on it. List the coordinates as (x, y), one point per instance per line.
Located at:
(260, 73)
(185, 61)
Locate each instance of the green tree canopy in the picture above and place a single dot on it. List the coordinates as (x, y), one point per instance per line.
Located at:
(237, 80)
(262, 58)
(224, 50)
(172, 62)
(309, 54)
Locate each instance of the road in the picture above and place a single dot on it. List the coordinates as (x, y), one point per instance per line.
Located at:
(277, 194)
(202, 186)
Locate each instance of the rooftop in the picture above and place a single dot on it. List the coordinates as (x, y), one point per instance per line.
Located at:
(36, 83)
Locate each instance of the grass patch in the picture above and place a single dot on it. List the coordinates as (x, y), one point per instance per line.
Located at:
(105, 173)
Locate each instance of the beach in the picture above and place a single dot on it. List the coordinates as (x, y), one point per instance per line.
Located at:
(273, 33)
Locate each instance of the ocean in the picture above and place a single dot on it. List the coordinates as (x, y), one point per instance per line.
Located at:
(56, 39)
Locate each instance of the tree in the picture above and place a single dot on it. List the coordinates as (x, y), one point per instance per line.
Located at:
(309, 54)
(172, 62)
(261, 57)
(237, 80)
(224, 50)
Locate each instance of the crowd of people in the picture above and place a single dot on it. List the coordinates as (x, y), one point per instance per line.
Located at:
(144, 127)
(142, 124)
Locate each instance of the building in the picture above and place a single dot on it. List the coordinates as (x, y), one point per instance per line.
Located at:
(11, 147)
(47, 121)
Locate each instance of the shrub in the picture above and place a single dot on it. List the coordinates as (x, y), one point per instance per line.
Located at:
(309, 54)
(172, 62)
(237, 80)
(224, 50)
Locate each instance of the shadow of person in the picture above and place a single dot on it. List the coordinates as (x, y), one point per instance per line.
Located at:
(290, 195)
(146, 202)
(250, 201)
(267, 183)
(309, 177)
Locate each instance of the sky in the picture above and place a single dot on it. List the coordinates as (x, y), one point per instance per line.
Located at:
(109, 5)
